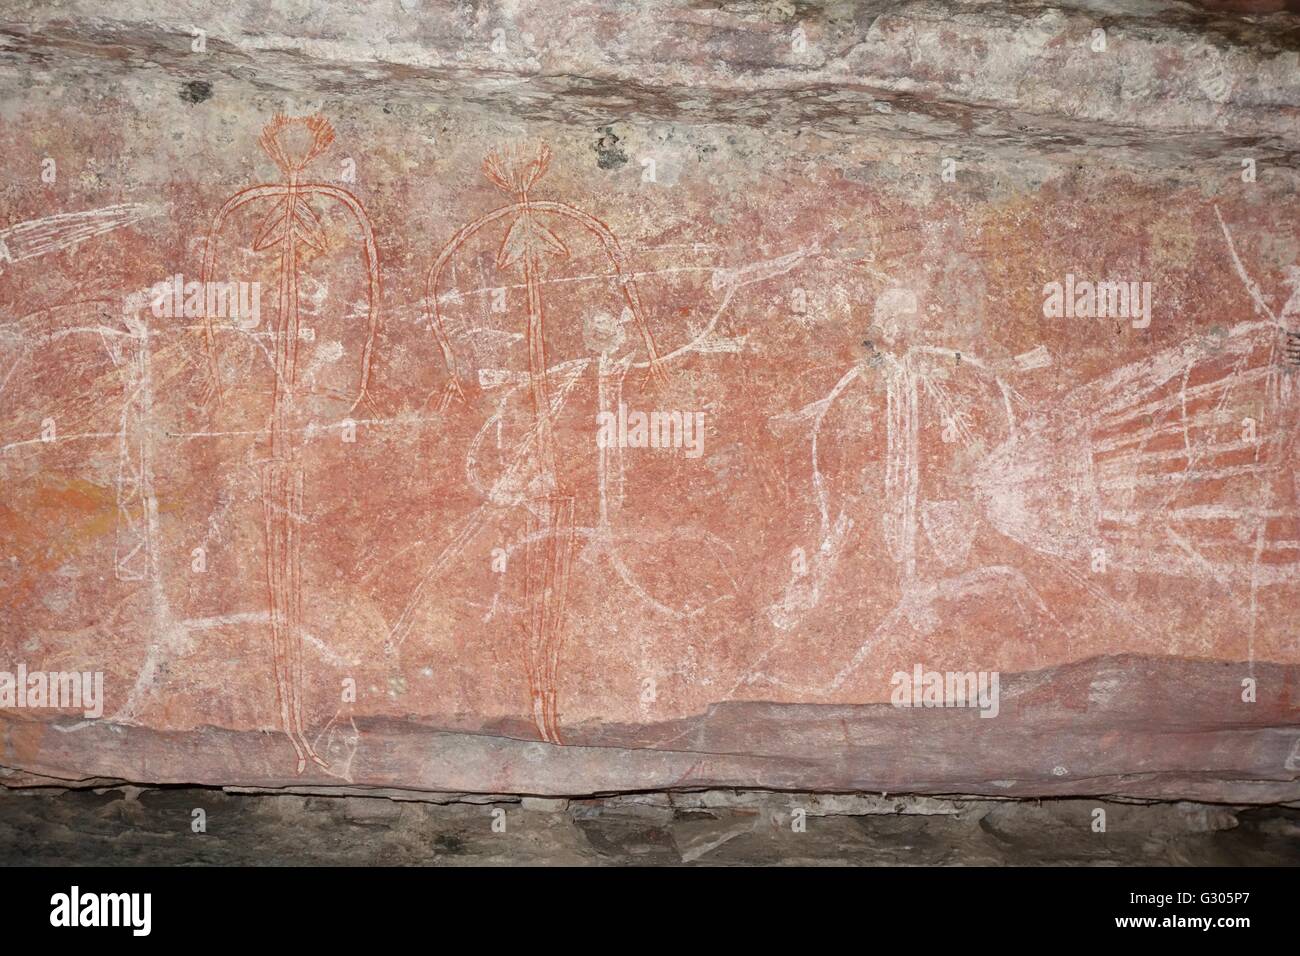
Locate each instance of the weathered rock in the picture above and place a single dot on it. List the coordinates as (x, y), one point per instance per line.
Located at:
(134, 826)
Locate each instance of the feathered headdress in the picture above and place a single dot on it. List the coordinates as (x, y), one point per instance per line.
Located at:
(275, 141)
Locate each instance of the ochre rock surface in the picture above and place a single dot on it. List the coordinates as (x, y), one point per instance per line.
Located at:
(372, 534)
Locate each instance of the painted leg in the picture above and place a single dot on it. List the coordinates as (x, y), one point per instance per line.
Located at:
(282, 511)
(549, 553)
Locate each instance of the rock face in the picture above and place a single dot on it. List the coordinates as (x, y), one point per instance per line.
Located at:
(527, 399)
(129, 825)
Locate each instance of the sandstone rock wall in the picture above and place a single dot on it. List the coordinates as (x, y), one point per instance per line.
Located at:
(549, 399)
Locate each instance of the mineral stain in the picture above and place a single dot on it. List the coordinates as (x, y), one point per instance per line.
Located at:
(196, 91)
(609, 155)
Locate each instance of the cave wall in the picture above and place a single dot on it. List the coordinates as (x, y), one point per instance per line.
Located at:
(394, 527)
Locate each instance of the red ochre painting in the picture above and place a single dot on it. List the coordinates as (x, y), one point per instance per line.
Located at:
(350, 456)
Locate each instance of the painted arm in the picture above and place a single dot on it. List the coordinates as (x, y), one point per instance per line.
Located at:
(241, 198)
(984, 369)
(614, 251)
(454, 386)
(371, 253)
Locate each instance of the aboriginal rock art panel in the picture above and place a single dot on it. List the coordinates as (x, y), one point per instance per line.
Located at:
(921, 480)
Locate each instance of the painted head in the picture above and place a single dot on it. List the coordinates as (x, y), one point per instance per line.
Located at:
(293, 142)
(602, 332)
(894, 310)
(517, 169)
